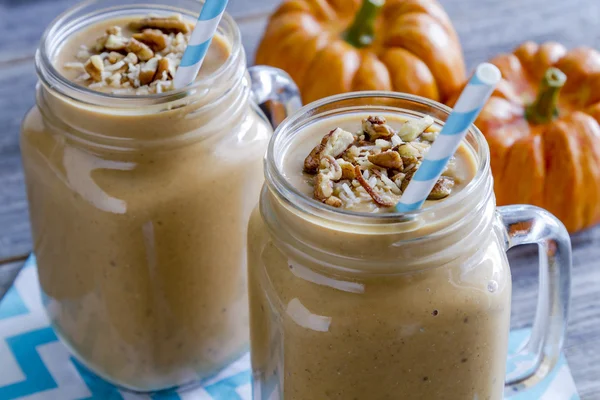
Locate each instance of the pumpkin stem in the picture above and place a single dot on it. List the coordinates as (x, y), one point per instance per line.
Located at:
(545, 107)
(362, 31)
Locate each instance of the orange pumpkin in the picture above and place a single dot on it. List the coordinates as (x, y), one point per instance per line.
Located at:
(545, 145)
(337, 46)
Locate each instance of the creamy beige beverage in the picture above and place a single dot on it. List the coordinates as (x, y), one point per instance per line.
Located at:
(349, 301)
(139, 205)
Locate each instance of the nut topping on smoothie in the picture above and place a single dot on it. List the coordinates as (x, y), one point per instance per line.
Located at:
(144, 60)
(369, 170)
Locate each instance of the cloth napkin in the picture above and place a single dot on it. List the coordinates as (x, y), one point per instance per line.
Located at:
(34, 365)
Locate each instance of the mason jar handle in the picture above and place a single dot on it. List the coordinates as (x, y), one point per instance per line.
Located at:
(537, 357)
(275, 92)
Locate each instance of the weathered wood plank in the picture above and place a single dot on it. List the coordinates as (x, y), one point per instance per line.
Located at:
(8, 273)
(584, 361)
(489, 27)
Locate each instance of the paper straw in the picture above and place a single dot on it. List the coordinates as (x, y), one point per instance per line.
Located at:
(467, 108)
(199, 42)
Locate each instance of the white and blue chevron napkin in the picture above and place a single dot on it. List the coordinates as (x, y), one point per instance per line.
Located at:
(34, 365)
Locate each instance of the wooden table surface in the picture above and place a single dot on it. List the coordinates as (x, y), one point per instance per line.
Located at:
(486, 27)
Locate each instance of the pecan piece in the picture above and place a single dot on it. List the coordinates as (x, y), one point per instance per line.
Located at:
(115, 43)
(333, 201)
(114, 57)
(347, 169)
(311, 162)
(100, 42)
(153, 38)
(330, 168)
(398, 178)
(374, 195)
(407, 178)
(329, 171)
(94, 67)
(323, 187)
(164, 66)
(388, 159)
(333, 144)
(148, 71)
(375, 127)
(114, 80)
(131, 58)
(413, 128)
(409, 153)
(441, 189)
(337, 142)
(114, 30)
(141, 50)
(165, 24)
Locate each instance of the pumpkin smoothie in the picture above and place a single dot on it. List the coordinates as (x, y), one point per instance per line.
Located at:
(139, 202)
(347, 302)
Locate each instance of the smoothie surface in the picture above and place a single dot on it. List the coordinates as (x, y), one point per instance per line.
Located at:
(363, 162)
(133, 55)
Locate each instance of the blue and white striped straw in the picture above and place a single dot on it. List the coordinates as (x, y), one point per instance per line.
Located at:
(467, 108)
(199, 42)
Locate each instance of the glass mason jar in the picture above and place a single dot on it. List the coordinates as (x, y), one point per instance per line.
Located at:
(347, 305)
(139, 207)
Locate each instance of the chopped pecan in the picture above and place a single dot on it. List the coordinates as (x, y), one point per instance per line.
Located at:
(337, 142)
(443, 188)
(141, 50)
(409, 153)
(114, 79)
(398, 178)
(323, 187)
(165, 24)
(332, 144)
(153, 38)
(114, 30)
(100, 42)
(387, 159)
(131, 58)
(311, 162)
(115, 43)
(329, 167)
(94, 67)
(347, 169)
(114, 57)
(375, 127)
(148, 71)
(374, 195)
(164, 66)
(333, 201)
(407, 178)
(413, 128)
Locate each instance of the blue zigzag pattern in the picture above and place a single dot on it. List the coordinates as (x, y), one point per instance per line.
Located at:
(38, 378)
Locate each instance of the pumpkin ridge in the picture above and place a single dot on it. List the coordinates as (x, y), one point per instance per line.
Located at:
(591, 158)
(567, 186)
(427, 85)
(378, 68)
(436, 56)
(347, 55)
(429, 7)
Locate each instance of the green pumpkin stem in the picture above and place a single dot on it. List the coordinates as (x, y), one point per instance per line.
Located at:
(362, 31)
(545, 108)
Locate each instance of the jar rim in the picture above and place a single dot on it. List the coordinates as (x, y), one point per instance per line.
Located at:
(304, 204)
(51, 77)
